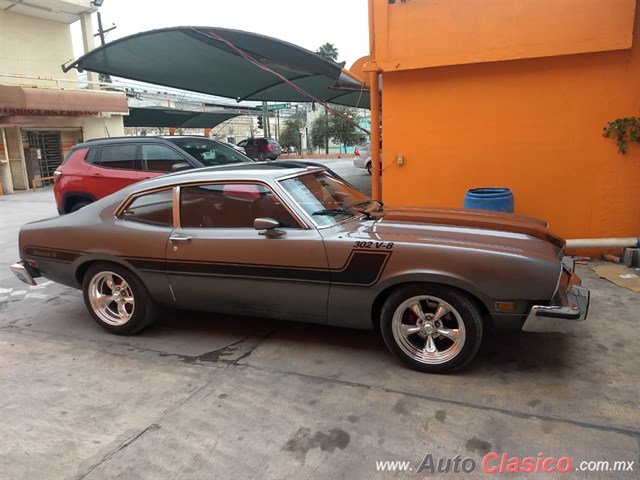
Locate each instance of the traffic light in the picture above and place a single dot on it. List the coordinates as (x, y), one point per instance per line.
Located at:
(260, 121)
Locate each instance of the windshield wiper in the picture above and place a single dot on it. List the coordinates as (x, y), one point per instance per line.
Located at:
(333, 212)
(366, 202)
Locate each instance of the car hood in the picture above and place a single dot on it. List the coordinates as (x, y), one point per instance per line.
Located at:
(467, 226)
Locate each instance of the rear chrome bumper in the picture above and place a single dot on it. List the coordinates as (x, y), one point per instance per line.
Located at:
(24, 273)
(569, 305)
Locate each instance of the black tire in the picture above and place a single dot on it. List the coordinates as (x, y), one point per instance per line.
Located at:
(369, 168)
(419, 342)
(78, 205)
(262, 156)
(126, 306)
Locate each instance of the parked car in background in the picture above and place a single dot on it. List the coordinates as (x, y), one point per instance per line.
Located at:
(362, 157)
(261, 148)
(292, 240)
(235, 147)
(96, 168)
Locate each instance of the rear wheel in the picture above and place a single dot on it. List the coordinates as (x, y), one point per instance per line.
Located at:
(262, 156)
(432, 328)
(369, 168)
(117, 299)
(78, 205)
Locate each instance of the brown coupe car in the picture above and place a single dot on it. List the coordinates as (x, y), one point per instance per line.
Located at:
(294, 241)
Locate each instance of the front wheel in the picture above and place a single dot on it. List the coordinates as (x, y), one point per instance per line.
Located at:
(432, 328)
(117, 299)
(369, 168)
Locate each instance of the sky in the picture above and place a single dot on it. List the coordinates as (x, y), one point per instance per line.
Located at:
(307, 23)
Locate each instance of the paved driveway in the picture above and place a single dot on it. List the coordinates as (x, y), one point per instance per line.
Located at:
(200, 396)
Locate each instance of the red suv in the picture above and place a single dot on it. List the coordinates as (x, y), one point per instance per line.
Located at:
(97, 168)
(261, 148)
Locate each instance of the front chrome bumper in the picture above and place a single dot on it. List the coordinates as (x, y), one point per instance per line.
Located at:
(569, 305)
(21, 271)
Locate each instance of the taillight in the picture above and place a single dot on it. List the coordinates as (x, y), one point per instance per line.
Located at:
(56, 175)
(269, 147)
(357, 152)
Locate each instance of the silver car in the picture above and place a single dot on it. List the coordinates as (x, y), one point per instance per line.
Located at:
(294, 241)
(362, 157)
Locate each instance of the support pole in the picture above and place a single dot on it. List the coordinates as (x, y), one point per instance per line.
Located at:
(376, 170)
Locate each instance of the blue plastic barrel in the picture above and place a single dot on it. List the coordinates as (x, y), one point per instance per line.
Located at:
(496, 199)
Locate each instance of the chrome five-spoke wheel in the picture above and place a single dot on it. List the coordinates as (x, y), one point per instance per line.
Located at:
(428, 329)
(117, 299)
(433, 328)
(111, 298)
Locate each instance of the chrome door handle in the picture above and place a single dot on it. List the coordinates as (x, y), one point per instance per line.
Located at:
(174, 238)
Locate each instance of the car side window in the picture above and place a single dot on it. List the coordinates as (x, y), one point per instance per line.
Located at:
(154, 208)
(123, 157)
(159, 158)
(231, 205)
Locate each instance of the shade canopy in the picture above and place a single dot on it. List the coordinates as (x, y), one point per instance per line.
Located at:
(171, 117)
(201, 59)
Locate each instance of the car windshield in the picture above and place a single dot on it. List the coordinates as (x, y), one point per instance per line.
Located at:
(210, 152)
(327, 198)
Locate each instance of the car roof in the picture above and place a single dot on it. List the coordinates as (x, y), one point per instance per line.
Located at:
(135, 139)
(241, 171)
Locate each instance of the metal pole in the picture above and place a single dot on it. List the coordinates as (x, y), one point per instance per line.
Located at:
(376, 170)
(265, 119)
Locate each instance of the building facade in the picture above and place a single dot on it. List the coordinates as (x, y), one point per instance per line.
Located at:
(505, 93)
(43, 111)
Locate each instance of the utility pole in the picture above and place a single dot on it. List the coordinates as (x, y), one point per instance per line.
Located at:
(101, 33)
(265, 119)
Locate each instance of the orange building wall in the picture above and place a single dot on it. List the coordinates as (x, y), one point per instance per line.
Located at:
(533, 125)
(428, 33)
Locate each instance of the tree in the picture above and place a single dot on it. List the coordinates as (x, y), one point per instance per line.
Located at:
(290, 135)
(341, 130)
(319, 132)
(328, 51)
(335, 128)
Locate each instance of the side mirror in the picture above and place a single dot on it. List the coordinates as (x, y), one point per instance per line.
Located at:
(267, 226)
(177, 167)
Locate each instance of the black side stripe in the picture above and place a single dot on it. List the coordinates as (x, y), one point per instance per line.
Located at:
(361, 267)
(55, 255)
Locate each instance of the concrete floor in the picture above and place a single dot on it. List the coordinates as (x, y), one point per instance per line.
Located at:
(200, 396)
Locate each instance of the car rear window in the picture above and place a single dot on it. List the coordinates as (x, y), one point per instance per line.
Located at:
(155, 208)
(124, 157)
(77, 155)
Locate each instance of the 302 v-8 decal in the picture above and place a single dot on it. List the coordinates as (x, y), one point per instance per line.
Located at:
(373, 245)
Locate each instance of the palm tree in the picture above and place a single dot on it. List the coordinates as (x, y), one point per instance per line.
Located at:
(328, 51)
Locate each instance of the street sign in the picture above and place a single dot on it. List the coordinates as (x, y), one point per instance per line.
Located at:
(279, 106)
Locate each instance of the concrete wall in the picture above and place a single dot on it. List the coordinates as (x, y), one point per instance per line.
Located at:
(531, 124)
(100, 127)
(34, 46)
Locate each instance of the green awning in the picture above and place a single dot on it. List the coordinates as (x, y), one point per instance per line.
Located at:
(171, 117)
(198, 60)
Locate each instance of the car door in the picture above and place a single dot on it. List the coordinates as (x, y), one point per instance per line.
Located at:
(249, 147)
(160, 159)
(113, 167)
(217, 260)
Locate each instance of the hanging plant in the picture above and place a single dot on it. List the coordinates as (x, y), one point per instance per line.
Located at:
(623, 131)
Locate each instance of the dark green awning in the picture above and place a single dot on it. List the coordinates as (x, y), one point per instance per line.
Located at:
(171, 117)
(196, 59)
